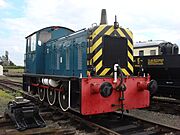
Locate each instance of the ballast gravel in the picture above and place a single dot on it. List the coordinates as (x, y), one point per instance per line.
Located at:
(166, 119)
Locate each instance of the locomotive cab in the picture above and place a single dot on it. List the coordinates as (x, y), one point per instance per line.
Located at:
(35, 46)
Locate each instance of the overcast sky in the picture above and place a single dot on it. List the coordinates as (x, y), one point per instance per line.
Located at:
(148, 19)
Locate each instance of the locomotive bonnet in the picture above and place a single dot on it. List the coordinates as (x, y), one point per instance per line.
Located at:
(89, 70)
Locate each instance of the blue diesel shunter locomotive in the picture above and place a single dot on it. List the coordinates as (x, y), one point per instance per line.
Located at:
(89, 70)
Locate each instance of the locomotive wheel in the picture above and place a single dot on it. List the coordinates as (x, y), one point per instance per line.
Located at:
(51, 96)
(41, 93)
(63, 97)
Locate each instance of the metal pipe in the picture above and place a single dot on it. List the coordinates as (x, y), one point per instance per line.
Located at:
(115, 73)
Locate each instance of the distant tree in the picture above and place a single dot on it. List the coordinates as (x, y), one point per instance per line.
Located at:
(7, 55)
(0, 60)
(5, 61)
(11, 63)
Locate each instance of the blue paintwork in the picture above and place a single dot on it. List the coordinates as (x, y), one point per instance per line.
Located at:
(55, 50)
(34, 61)
(46, 59)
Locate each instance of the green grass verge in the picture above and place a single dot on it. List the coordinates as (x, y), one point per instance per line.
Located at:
(5, 95)
(16, 70)
(9, 95)
(4, 100)
(13, 67)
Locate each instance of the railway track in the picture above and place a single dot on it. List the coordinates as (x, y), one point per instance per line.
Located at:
(56, 123)
(10, 83)
(165, 105)
(14, 75)
(112, 123)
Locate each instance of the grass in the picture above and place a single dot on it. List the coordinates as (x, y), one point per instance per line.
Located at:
(14, 94)
(4, 100)
(15, 70)
(5, 97)
(8, 95)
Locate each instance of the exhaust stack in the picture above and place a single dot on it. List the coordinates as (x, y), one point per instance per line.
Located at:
(103, 17)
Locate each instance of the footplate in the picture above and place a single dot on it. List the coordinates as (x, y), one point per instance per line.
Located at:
(24, 114)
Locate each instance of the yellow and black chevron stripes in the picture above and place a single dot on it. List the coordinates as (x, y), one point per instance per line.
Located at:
(95, 45)
(125, 72)
(97, 55)
(95, 52)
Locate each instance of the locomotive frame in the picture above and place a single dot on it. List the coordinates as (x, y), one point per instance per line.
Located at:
(85, 70)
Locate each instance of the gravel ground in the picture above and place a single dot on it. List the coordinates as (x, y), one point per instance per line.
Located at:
(166, 119)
